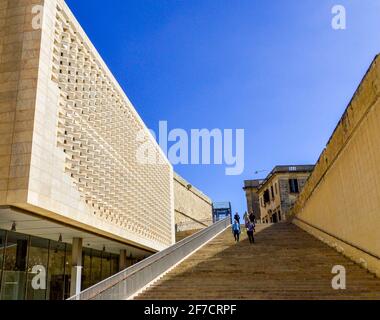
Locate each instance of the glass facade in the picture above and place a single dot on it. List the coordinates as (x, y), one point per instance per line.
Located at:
(38, 259)
(2, 251)
(33, 268)
(97, 266)
(58, 271)
(14, 267)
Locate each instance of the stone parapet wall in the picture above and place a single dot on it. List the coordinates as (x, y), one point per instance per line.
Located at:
(193, 209)
(342, 196)
(364, 99)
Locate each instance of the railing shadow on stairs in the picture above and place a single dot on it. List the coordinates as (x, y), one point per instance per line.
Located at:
(130, 281)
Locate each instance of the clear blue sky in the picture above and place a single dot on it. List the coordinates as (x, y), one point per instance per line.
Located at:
(274, 68)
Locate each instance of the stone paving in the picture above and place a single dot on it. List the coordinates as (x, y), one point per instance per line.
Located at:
(284, 263)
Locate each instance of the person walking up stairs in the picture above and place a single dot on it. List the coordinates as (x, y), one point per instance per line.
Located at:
(250, 229)
(236, 230)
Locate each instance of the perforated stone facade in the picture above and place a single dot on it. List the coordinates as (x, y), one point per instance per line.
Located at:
(69, 149)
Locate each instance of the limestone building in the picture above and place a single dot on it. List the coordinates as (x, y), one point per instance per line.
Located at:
(193, 209)
(79, 199)
(251, 188)
(279, 190)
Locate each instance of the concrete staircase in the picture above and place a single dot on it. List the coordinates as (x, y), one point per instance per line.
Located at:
(284, 263)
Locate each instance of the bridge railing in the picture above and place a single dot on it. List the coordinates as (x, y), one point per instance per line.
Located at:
(130, 281)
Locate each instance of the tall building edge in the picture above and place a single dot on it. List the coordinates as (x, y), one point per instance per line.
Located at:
(40, 180)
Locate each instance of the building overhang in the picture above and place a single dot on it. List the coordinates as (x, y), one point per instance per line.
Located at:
(34, 225)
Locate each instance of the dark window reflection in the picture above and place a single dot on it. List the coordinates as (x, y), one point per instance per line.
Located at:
(86, 271)
(67, 271)
(106, 265)
(34, 268)
(56, 278)
(14, 274)
(2, 251)
(96, 267)
(114, 264)
(37, 269)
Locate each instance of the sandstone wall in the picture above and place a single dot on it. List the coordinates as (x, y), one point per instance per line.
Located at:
(19, 64)
(69, 136)
(193, 209)
(340, 203)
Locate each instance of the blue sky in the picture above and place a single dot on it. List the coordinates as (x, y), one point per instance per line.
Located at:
(274, 68)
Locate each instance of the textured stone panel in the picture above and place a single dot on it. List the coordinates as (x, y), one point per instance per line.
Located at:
(193, 209)
(342, 195)
(69, 133)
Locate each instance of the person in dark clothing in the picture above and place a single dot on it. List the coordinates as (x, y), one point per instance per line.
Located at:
(236, 230)
(237, 217)
(250, 229)
(252, 217)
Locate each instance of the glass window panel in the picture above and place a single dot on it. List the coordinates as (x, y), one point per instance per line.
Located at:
(14, 274)
(67, 271)
(56, 271)
(2, 251)
(37, 269)
(106, 265)
(114, 264)
(96, 267)
(86, 270)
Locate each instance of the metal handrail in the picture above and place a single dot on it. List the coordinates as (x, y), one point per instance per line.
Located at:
(128, 282)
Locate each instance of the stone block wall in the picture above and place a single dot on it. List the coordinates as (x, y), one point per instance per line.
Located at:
(193, 209)
(19, 64)
(340, 202)
(288, 199)
(69, 136)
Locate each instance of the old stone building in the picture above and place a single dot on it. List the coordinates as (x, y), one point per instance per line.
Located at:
(280, 189)
(251, 188)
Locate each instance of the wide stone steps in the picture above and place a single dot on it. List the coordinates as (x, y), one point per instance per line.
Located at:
(284, 263)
